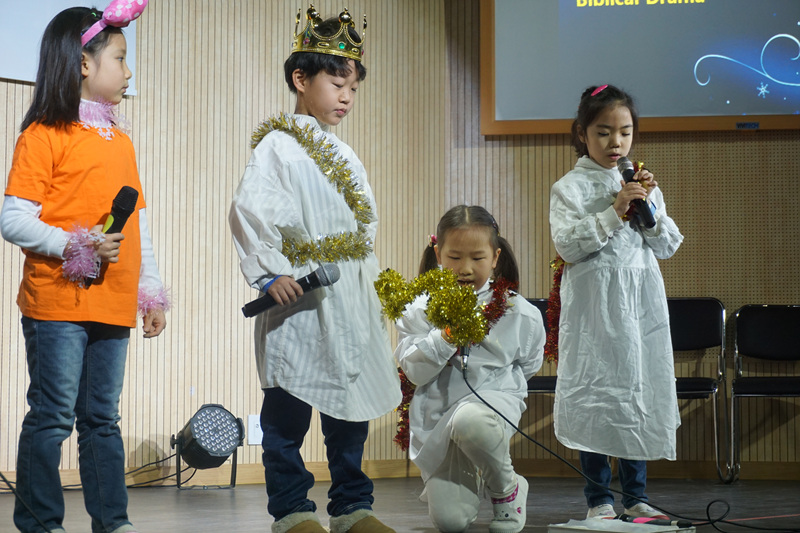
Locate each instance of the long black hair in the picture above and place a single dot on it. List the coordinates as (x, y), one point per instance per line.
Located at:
(57, 94)
(312, 63)
(594, 101)
(463, 216)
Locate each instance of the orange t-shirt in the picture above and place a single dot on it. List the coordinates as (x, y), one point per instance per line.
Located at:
(75, 174)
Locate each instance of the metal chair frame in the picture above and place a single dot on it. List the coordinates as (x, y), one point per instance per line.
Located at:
(698, 323)
(769, 333)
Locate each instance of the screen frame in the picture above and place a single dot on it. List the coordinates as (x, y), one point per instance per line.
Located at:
(491, 126)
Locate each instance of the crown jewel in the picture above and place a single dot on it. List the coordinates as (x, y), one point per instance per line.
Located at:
(340, 44)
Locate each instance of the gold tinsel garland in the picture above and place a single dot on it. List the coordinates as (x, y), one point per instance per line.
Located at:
(451, 307)
(326, 248)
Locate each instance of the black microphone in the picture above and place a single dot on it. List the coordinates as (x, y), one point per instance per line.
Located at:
(463, 351)
(646, 219)
(655, 521)
(121, 208)
(325, 275)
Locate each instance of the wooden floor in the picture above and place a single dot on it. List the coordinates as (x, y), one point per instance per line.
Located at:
(550, 501)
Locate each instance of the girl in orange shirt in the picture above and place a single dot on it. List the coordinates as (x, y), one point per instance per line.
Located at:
(81, 288)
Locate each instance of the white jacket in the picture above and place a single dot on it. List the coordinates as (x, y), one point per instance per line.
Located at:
(330, 348)
(615, 393)
(498, 369)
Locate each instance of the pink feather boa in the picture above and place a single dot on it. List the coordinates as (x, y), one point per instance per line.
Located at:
(81, 260)
(153, 299)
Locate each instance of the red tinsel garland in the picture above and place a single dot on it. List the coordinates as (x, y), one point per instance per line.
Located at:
(493, 311)
(554, 311)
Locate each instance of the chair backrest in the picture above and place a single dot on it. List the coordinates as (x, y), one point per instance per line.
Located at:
(541, 305)
(696, 323)
(768, 332)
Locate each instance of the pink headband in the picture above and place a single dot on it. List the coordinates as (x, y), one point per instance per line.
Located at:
(119, 13)
(599, 90)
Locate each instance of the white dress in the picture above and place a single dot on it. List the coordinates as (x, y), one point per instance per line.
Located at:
(498, 368)
(330, 348)
(615, 393)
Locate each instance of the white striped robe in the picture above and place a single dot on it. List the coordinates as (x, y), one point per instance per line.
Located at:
(330, 348)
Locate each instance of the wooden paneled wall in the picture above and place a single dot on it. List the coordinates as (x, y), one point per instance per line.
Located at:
(210, 70)
(742, 242)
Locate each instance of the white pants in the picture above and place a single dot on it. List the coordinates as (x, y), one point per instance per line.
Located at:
(478, 452)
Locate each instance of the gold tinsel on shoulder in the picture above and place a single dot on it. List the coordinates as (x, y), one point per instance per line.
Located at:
(326, 248)
(451, 307)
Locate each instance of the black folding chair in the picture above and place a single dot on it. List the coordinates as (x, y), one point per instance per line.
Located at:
(699, 324)
(770, 333)
(541, 384)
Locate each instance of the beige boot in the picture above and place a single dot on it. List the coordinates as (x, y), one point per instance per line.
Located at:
(360, 521)
(298, 523)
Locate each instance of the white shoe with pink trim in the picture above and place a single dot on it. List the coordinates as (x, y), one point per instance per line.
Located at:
(509, 512)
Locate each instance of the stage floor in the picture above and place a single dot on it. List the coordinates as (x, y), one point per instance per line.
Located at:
(774, 504)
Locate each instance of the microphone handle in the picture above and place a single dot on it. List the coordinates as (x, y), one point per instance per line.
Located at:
(642, 209)
(656, 521)
(117, 222)
(261, 304)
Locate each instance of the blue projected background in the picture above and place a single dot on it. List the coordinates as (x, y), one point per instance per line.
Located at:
(715, 58)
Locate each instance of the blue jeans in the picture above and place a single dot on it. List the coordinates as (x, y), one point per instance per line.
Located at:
(632, 477)
(76, 372)
(285, 420)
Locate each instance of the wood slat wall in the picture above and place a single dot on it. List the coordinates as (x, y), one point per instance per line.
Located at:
(209, 70)
(741, 242)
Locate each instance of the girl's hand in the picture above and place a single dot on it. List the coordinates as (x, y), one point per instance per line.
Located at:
(284, 290)
(154, 323)
(645, 177)
(446, 335)
(629, 192)
(108, 250)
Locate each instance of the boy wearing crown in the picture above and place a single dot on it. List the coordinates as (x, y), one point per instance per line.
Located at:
(304, 200)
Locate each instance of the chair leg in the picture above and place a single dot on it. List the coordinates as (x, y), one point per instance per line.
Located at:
(727, 477)
(735, 430)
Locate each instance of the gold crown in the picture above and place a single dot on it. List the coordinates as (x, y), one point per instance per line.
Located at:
(341, 44)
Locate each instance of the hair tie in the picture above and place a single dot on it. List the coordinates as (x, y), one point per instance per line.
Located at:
(599, 90)
(433, 241)
(119, 14)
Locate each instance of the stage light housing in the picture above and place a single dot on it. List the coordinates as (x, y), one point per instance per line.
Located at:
(209, 437)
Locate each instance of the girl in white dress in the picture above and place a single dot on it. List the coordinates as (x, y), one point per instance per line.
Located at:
(458, 442)
(615, 393)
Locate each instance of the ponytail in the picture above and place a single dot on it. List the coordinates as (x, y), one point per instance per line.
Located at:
(507, 263)
(428, 261)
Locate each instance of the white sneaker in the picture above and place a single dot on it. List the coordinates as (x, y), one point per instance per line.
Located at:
(509, 513)
(604, 510)
(643, 510)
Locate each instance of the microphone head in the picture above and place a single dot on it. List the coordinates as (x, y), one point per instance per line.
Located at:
(328, 274)
(125, 201)
(623, 164)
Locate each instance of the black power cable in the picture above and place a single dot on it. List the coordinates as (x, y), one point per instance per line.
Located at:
(695, 522)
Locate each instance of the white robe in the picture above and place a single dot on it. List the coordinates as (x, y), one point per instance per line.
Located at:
(330, 348)
(615, 393)
(498, 368)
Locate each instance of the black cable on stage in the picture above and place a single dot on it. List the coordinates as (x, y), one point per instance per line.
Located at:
(695, 522)
(79, 486)
(24, 504)
(152, 463)
(147, 483)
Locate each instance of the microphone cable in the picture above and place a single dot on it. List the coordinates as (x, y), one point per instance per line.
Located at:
(695, 522)
(24, 503)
